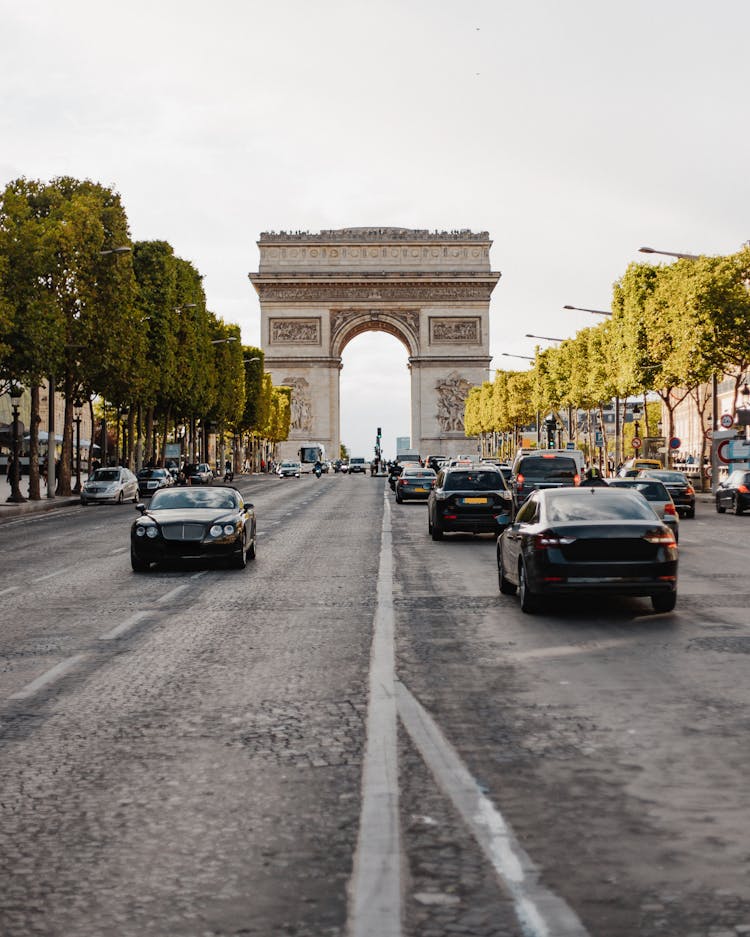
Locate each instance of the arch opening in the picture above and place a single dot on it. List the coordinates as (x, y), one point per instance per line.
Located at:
(375, 391)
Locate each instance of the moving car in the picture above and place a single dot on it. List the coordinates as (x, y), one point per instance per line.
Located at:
(543, 469)
(678, 485)
(197, 473)
(357, 466)
(657, 496)
(110, 484)
(734, 492)
(473, 499)
(192, 524)
(632, 467)
(289, 469)
(151, 479)
(414, 482)
(587, 541)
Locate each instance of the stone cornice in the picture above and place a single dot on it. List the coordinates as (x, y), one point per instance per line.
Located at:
(384, 289)
(372, 236)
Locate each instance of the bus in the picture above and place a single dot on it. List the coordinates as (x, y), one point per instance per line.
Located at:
(310, 453)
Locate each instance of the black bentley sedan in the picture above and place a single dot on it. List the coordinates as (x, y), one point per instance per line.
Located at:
(469, 499)
(193, 524)
(587, 541)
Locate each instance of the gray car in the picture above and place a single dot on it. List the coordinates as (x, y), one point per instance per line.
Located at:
(115, 484)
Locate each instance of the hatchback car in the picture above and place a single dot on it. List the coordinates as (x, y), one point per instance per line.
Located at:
(593, 541)
(678, 485)
(151, 479)
(110, 484)
(193, 524)
(289, 469)
(414, 482)
(657, 496)
(542, 470)
(196, 473)
(734, 492)
(633, 467)
(469, 500)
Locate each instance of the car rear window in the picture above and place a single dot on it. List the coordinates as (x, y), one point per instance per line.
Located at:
(651, 491)
(473, 481)
(602, 506)
(547, 467)
(417, 473)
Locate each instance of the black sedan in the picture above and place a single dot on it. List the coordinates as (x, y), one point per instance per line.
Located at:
(151, 480)
(196, 473)
(469, 500)
(734, 493)
(587, 541)
(679, 487)
(193, 524)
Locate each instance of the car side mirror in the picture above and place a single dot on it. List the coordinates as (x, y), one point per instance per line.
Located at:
(141, 507)
(250, 507)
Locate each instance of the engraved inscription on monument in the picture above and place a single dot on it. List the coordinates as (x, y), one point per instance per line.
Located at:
(294, 331)
(444, 330)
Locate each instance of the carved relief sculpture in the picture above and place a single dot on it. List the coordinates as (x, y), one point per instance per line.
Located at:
(452, 393)
(301, 414)
(294, 331)
(465, 331)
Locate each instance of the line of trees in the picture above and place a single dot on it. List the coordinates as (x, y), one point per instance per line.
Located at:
(672, 329)
(120, 323)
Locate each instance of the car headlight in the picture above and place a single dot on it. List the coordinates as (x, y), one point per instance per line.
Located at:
(140, 531)
(152, 532)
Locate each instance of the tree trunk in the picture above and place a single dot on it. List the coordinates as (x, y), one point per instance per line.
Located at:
(149, 453)
(66, 456)
(34, 421)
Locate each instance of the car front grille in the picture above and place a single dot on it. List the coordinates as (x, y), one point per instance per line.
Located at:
(176, 531)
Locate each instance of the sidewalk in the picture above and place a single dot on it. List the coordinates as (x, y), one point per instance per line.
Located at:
(29, 507)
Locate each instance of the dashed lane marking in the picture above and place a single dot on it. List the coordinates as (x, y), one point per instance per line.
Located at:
(9, 589)
(172, 594)
(568, 650)
(124, 626)
(50, 676)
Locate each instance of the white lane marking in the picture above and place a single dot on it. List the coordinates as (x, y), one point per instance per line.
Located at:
(198, 575)
(124, 626)
(9, 589)
(172, 594)
(568, 650)
(59, 572)
(119, 551)
(540, 912)
(54, 673)
(375, 886)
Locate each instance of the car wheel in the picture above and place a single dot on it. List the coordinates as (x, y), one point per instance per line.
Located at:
(139, 565)
(506, 586)
(251, 550)
(737, 507)
(664, 601)
(119, 498)
(719, 507)
(399, 499)
(239, 560)
(436, 532)
(84, 502)
(529, 601)
(690, 513)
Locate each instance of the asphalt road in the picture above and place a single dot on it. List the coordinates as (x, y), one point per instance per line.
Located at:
(191, 752)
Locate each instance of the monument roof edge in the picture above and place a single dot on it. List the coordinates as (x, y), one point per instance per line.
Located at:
(382, 235)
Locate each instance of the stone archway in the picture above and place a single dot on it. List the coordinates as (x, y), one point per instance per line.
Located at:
(431, 290)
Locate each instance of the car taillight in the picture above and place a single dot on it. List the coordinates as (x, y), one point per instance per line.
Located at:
(660, 536)
(743, 488)
(549, 539)
(576, 479)
(690, 490)
(519, 480)
(401, 481)
(670, 508)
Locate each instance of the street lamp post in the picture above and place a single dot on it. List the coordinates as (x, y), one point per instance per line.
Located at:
(746, 409)
(77, 408)
(596, 312)
(15, 497)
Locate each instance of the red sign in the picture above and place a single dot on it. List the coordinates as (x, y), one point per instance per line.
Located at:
(636, 442)
(720, 455)
(726, 420)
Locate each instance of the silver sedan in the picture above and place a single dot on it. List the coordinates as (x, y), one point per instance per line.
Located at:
(110, 484)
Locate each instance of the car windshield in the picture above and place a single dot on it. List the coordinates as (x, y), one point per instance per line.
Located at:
(546, 467)
(597, 505)
(170, 499)
(151, 473)
(473, 481)
(651, 490)
(106, 475)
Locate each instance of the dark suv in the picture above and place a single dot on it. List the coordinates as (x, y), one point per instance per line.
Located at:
(734, 493)
(542, 470)
(469, 500)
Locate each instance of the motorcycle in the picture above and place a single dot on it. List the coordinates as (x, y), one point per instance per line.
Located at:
(317, 471)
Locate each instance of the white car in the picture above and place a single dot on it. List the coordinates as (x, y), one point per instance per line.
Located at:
(110, 484)
(289, 469)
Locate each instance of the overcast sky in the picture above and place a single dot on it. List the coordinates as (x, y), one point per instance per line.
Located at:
(574, 131)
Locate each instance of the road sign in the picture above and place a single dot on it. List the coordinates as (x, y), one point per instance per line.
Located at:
(709, 433)
(675, 442)
(726, 420)
(721, 453)
(636, 442)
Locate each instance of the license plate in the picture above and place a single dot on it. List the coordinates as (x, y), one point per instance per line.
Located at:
(474, 500)
(420, 489)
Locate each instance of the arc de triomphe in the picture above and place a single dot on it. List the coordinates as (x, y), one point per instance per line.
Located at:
(431, 290)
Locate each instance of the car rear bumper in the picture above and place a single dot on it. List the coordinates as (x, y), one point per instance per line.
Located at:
(616, 579)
